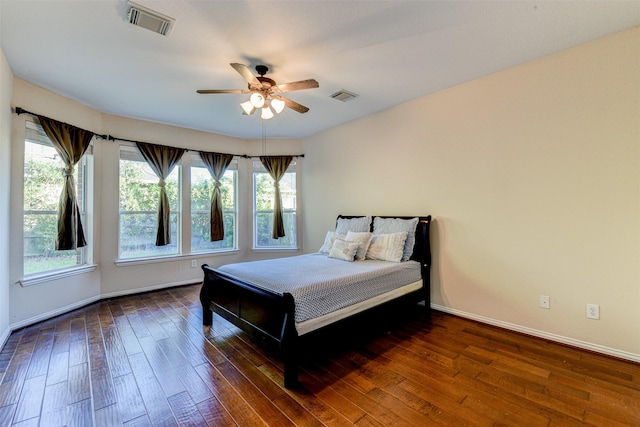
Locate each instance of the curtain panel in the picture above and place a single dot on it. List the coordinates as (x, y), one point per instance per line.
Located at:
(71, 143)
(277, 166)
(161, 159)
(217, 164)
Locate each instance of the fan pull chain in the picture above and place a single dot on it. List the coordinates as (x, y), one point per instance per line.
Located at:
(264, 137)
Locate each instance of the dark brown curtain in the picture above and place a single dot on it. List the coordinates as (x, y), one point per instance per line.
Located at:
(217, 164)
(71, 143)
(161, 160)
(277, 166)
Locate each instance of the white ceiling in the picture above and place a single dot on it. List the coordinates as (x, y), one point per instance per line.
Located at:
(388, 52)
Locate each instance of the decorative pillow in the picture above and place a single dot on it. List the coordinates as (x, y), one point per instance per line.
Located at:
(343, 250)
(395, 225)
(361, 223)
(387, 247)
(362, 238)
(328, 241)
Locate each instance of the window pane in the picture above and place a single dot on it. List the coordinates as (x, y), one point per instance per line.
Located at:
(43, 181)
(138, 235)
(201, 190)
(139, 194)
(264, 227)
(263, 205)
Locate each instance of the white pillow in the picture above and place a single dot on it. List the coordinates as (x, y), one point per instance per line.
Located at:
(361, 223)
(343, 250)
(387, 247)
(362, 238)
(328, 241)
(395, 225)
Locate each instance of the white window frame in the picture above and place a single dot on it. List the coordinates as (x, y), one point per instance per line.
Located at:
(134, 154)
(34, 134)
(258, 168)
(197, 162)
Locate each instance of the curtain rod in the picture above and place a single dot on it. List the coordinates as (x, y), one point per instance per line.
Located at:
(19, 111)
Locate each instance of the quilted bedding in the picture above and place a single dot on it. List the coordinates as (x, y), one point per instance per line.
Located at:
(321, 285)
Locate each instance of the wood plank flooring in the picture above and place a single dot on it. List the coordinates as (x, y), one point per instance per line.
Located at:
(146, 360)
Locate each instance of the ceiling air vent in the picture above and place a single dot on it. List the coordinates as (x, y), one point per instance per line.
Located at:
(343, 95)
(149, 19)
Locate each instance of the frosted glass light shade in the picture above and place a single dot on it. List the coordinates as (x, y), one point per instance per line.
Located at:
(266, 113)
(248, 107)
(257, 100)
(277, 105)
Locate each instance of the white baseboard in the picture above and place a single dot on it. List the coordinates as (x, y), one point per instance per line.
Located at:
(542, 334)
(80, 304)
(4, 337)
(148, 289)
(53, 313)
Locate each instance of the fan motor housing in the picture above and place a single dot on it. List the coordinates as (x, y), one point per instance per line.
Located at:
(265, 84)
(266, 81)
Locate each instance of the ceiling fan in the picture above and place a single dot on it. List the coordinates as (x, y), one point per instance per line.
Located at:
(265, 93)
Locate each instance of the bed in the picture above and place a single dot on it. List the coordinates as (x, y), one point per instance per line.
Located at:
(279, 301)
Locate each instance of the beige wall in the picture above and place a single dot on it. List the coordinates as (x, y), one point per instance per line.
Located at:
(6, 83)
(533, 178)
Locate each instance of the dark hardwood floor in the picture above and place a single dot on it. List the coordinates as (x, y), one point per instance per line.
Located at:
(146, 360)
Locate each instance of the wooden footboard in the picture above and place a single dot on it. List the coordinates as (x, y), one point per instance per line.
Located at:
(267, 316)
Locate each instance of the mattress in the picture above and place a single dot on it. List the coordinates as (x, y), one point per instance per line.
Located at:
(321, 285)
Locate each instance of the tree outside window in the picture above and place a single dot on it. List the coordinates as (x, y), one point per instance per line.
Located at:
(201, 189)
(264, 188)
(43, 171)
(139, 194)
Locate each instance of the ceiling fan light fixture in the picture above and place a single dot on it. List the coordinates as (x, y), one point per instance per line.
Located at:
(277, 105)
(248, 107)
(266, 113)
(257, 100)
(264, 93)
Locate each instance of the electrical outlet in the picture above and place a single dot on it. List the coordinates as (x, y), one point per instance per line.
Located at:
(194, 263)
(544, 301)
(593, 311)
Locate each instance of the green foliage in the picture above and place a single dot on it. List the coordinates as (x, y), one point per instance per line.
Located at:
(43, 181)
(265, 188)
(202, 186)
(139, 190)
(42, 185)
(139, 197)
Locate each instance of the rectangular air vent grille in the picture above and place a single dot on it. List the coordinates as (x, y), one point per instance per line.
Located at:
(149, 19)
(343, 95)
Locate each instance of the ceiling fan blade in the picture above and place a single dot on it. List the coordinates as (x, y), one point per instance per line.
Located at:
(299, 85)
(205, 91)
(292, 104)
(244, 71)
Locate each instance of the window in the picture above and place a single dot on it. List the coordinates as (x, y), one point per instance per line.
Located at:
(139, 193)
(263, 190)
(42, 187)
(202, 185)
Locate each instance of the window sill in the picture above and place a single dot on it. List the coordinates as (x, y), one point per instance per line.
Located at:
(272, 250)
(141, 261)
(36, 279)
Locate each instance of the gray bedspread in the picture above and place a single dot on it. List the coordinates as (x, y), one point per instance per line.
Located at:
(321, 285)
